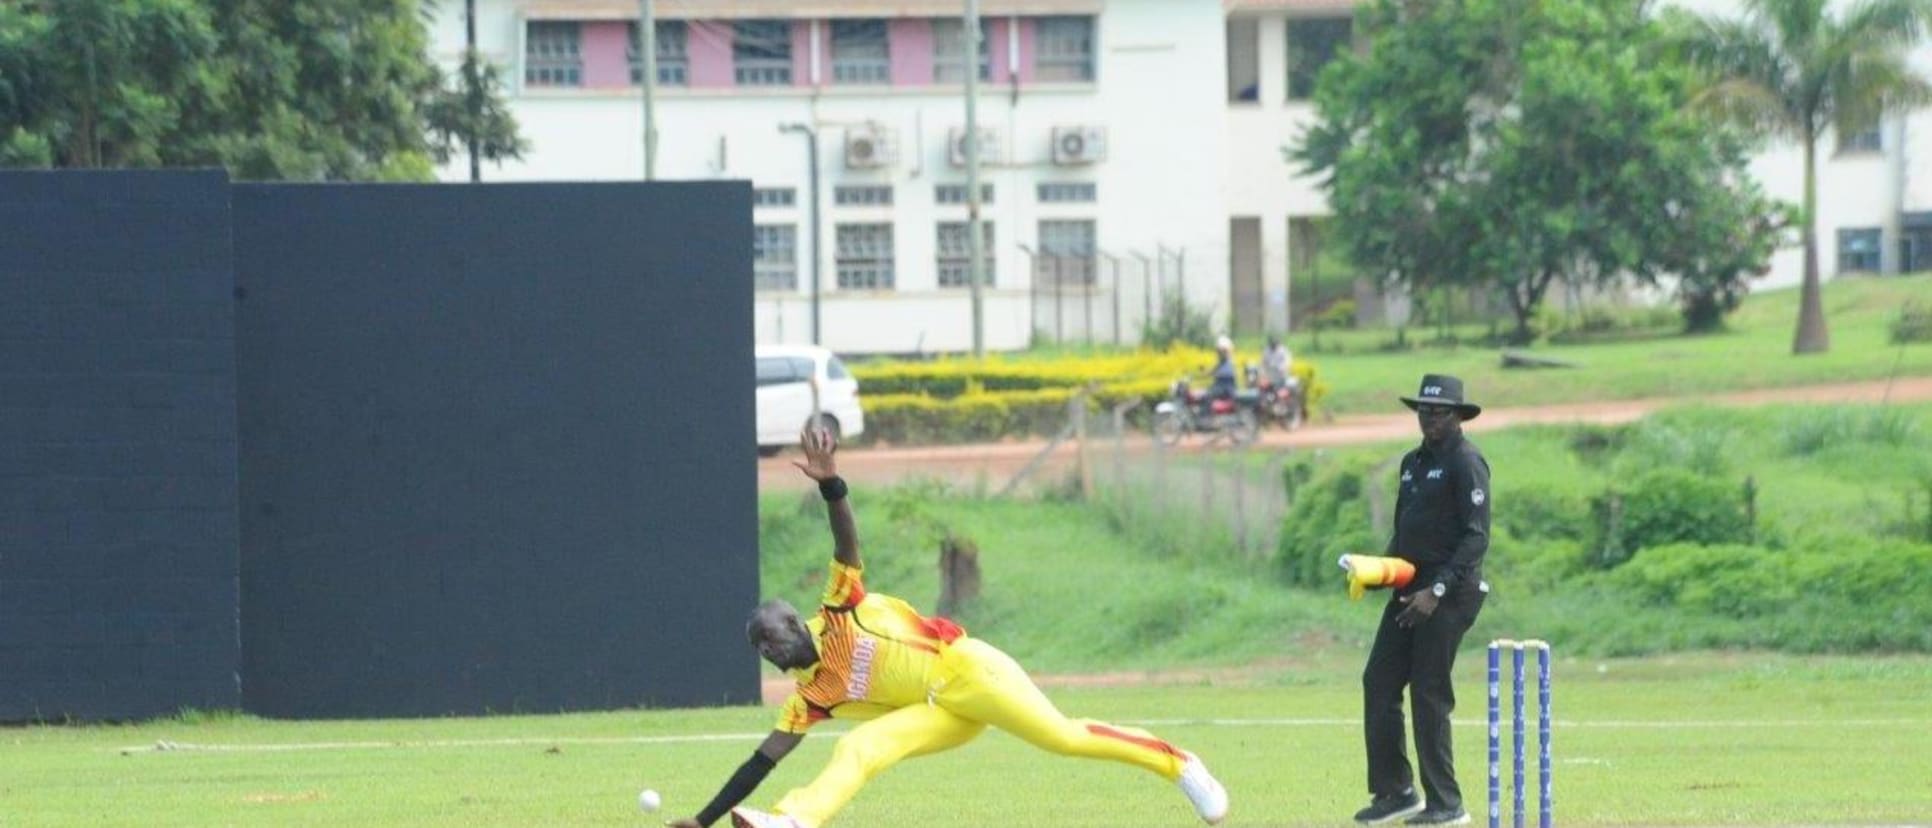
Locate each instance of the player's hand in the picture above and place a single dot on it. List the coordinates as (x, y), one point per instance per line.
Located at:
(682, 823)
(819, 445)
(1419, 606)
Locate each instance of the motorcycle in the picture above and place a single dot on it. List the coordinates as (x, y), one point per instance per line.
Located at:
(1280, 402)
(1190, 411)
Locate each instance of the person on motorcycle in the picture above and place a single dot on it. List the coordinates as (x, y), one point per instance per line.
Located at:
(1277, 364)
(1224, 376)
(1223, 387)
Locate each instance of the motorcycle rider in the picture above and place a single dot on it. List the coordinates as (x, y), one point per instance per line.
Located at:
(1277, 364)
(1223, 387)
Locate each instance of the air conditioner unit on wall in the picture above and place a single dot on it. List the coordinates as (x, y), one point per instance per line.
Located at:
(990, 149)
(1073, 145)
(870, 147)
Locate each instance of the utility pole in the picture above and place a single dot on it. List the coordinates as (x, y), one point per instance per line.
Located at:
(647, 52)
(975, 234)
(470, 71)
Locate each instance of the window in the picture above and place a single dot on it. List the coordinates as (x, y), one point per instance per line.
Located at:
(1067, 192)
(1066, 252)
(956, 253)
(774, 197)
(673, 59)
(865, 256)
(782, 370)
(1065, 50)
(1312, 43)
(867, 195)
(1244, 60)
(860, 54)
(774, 257)
(1858, 250)
(1867, 141)
(956, 193)
(949, 52)
(553, 54)
(761, 52)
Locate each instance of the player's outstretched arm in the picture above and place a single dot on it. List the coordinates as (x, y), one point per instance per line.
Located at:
(745, 780)
(820, 445)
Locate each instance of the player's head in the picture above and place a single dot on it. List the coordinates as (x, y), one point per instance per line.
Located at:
(1274, 341)
(1224, 345)
(780, 635)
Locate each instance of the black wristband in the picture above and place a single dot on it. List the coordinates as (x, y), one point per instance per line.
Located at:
(739, 786)
(832, 488)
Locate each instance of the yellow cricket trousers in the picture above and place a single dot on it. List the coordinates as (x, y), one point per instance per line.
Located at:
(975, 685)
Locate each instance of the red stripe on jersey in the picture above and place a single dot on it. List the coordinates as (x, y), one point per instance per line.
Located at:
(1143, 741)
(941, 628)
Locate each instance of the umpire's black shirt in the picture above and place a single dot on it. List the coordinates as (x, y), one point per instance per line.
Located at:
(1442, 514)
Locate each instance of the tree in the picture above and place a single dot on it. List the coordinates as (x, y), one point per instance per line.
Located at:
(102, 83)
(471, 114)
(1792, 69)
(1513, 144)
(338, 90)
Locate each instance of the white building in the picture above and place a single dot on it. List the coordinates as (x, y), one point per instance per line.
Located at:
(1132, 146)
(1105, 152)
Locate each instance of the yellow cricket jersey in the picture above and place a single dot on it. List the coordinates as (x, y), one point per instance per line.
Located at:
(875, 654)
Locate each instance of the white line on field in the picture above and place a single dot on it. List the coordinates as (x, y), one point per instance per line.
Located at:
(166, 745)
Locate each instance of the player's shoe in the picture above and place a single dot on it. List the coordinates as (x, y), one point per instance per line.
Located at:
(748, 818)
(1386, 809)
(1203, 790)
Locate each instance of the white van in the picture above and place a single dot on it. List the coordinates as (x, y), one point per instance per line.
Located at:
(785, 375)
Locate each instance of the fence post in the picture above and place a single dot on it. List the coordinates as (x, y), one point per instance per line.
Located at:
(1116, 264)
(1240, 511)
(1059, 303)
(1207, 489)
(1091, 272)
(1079, 412)
(1120, 445)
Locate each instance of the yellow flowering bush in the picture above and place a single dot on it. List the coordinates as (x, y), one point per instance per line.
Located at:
(962, 400)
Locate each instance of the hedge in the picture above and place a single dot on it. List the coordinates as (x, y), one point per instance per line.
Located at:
(964, 400)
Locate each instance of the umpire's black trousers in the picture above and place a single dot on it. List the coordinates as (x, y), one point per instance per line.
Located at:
(1420, 658)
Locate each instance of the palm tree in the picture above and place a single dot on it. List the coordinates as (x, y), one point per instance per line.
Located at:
(1792, 69)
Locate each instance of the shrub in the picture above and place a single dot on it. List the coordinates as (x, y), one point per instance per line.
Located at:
(1664, 507)
(1545, 515)
(1913, 323)
(1328, 518)
(1179, 323)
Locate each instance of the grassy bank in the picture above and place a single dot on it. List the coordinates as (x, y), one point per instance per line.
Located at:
(1754, 353)
(1824, 561)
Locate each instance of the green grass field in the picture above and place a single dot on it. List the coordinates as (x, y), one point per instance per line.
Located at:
(1754, 353)
(1689, 740)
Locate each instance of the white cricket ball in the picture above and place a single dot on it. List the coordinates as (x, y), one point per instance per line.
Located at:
(649, 801)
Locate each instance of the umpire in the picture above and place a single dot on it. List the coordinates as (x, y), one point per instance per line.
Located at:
(1442, 526)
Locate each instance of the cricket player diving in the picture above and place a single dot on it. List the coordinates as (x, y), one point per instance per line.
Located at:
(917, 684)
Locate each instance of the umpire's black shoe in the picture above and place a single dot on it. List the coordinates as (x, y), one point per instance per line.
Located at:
(1440, 816)
(1386, 809)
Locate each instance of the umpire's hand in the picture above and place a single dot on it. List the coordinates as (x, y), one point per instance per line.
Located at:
(1419, 606)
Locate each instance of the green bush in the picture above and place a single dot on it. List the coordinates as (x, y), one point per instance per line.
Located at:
(1329, 518)
(1544, 514)
(1814, 430)
(1664, 507)
(1178, 322)
(1846, 598)
(1913, 323)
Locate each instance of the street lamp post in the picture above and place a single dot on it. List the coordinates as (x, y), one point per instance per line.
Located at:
(647, 52)
(811, 151)
(975, 234)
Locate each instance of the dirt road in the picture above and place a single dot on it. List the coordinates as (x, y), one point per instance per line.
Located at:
(994, 464)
